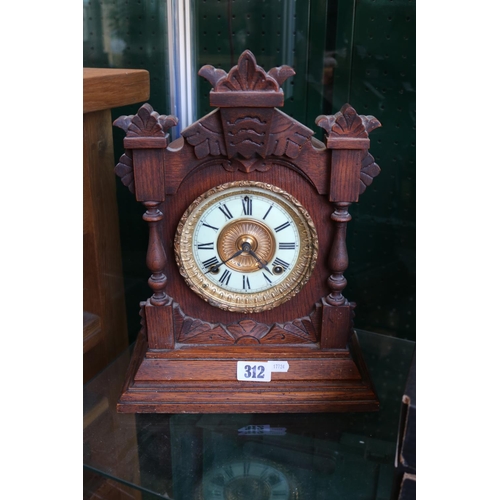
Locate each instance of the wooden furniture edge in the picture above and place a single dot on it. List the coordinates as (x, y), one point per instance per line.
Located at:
(105, 88)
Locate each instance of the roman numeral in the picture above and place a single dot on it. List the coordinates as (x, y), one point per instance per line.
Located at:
(246, 468)
(282, 263)
(276, 494)
(267, 213)
(247, 205)
(265, 276)
(211, 227)
(287, 246)
(210, 262)
(226, 212)
(226, 276)
(283, 226)
(206, 246)
(246, 283)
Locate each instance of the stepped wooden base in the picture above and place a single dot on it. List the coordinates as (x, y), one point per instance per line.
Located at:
(203, 380)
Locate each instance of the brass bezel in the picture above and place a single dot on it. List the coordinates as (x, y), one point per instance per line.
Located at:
(246, 302)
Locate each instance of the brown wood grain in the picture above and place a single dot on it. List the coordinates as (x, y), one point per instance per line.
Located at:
(255, 99)
(291, 181)
(344, 181)
(149, 179)
(336, 326)
(145, 142)
(177, 389)
(225, 370)
(160, 327)
(105, 88)
(248, 352)
(347, 143)
(256, 406)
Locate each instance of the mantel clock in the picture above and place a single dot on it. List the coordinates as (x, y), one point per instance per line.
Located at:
(247, 216)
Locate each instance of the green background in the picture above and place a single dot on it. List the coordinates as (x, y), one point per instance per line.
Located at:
(361, 52)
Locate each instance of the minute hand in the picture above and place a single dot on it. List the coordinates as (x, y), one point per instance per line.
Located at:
(216, 267)
(259, 261)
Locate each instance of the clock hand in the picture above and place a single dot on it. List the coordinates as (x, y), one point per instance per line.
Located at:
(263, 266)
(216, 267)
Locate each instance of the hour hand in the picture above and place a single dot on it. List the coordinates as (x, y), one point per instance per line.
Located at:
(216, 267)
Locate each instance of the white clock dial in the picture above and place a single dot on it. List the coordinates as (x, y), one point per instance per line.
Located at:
(272, 235)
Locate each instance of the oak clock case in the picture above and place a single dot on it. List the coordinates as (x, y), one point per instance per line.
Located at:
(247, 216)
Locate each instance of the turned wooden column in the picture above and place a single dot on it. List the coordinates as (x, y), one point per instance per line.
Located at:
(338, 260)
(155, 257)
(352, 169)
(142, 170)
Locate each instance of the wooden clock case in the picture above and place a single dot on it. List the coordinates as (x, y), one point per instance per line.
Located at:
(186, 352)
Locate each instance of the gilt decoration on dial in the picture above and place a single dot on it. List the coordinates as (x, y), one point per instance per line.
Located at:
(246, 246)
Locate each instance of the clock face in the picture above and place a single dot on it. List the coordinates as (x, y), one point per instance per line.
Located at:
(246, 246)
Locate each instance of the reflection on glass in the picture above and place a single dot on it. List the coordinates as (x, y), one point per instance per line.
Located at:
(245, 456)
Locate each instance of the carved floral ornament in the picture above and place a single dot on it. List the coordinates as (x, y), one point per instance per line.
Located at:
(246, 76)
(347, 123)
(192, 330)
(248, 136)
(146, 123)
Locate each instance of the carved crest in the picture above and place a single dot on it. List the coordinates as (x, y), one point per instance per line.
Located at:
(250, 138)
(246, 131)
(206, 136)
(247, 128)
(287, 136)
(246, 76)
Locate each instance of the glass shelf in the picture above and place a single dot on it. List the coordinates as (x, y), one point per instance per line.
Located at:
(251, 456)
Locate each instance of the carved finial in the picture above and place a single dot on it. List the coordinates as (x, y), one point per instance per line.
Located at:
(146, 123)
(145, 130)
(246, 84)
(246, 76)
(347, 123)
(353, 169)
